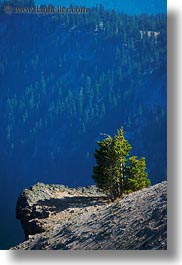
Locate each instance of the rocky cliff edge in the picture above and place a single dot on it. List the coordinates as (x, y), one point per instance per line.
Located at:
(60, 218)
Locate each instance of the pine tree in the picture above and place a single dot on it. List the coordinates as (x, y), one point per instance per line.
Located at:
(137, 177)
(117, 173)
(111, 160)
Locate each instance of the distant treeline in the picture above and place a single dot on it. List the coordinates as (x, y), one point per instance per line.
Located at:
(69, 76)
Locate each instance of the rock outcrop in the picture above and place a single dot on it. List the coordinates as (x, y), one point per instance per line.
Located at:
(60, 218)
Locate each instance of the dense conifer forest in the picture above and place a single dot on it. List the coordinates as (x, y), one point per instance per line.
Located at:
(65, 79)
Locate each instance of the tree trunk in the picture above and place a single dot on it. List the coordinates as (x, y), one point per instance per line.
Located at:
(121, 181)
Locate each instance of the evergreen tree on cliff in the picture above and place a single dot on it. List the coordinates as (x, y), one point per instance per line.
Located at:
(116, 173)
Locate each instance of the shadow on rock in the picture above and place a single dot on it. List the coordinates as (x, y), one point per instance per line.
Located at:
(60, 204)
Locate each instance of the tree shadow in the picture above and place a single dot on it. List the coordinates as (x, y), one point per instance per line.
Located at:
(57, 205)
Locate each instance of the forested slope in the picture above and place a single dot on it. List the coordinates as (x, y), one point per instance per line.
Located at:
(65, 79)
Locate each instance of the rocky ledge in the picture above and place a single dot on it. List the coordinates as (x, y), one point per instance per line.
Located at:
(60, 218)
